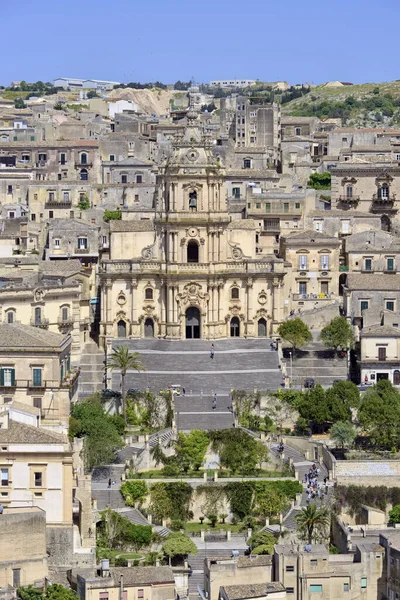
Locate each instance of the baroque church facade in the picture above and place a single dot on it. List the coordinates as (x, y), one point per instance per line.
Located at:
(192, 271)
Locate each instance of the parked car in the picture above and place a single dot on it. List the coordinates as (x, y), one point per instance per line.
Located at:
(309, 382)
(107, 394)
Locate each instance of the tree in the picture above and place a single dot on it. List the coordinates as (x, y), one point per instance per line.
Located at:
(182, 85)
(19, 103)
(191, 448)
(92, 94)
(296, 332)
(112, 215)
(117, 531)
(320, 181)
(84, 203)
(133, 490)
(124, 360)
(314, 408)
(379, 415)
(343, 434)
(312, 522)
(29, 593)
(337, 334)
(178, 544)
(268, 503)
(262, 539)
(238, 451)
(59, 592)
(394, 515)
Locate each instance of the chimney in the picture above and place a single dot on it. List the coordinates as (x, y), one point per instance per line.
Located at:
(105, 568)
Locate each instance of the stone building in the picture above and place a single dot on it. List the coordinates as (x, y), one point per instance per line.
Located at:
(35, 370)
(380, 354)
(218, 571)
(192, 272)
(370, 293)
(247, 591)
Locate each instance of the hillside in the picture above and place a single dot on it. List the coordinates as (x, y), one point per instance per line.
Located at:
(366, 105)
(150, 101)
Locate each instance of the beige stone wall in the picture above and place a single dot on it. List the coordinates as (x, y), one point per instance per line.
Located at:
(370, 345)
(227, 573)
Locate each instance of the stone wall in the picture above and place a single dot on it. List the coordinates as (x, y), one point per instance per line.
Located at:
(363, 472)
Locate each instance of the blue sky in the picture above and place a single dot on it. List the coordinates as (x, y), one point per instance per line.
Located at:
(127, 40)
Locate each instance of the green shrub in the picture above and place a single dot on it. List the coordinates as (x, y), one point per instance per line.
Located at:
(133, 490)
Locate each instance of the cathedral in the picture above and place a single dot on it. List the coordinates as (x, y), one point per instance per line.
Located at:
(192, 270)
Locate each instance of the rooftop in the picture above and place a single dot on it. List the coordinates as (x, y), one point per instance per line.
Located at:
(373, 281)
(20, 433)
(380, 331)
(248, 590)
(145, 225)
(14, 336)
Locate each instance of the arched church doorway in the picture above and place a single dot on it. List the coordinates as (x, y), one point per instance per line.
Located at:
(121, 329)
(192, 252)
(386, 224)
(149, 328)
(235, 327)
(192, 323)
(262, 327)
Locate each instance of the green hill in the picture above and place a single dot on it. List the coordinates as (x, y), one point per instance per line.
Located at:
(366, 105)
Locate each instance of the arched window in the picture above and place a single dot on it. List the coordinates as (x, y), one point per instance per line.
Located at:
(383, 192)
(65, 313)
(10, 316)
(38, 315)
(192, 252)
(235, 293)
(84, 175)
(349, 191)
(148, 293)
(84, 158)
(193, 200)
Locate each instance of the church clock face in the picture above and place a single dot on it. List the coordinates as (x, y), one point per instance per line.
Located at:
(192, 155)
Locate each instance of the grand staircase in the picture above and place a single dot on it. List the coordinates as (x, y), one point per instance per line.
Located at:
(317, 362)
(92, 370)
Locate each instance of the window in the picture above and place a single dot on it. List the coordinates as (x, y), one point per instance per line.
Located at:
(303, 262)
(364, 305)
(149, 294)
(247, 163)
(7, 377)
(345, 226)
(235, 293)
(268, 207)
(112, 157)
(82, 243)
(297, 205)
(56, 243)
(313, 562)
(236, 192)
(381, 356)
(10, 316)
(65, 313)
(9, 189)
(363, 582)
(290, 590)
(344, 140)
(298, 131)
(136, 197)
(346, 587)
(42, 157)
(139, 179)
(286, 207)
(318, 225)
(103, 596)
(302, 288)
(51, 196)
(59, 177)
(66, 196)
(124, 178)
(140, 594)
(83, 175)
(368, 264)
(83, 158)
(383, 192)
(38, 479)
(37, 403)
(316, 587)
(258, 204)
(390, 264)
(51, 214)
(25, 157)
(349, 191)
(16, 573)
(390, 305)
(37, 376)
(324, 262)
(63, 158)
(289, 568)
(5, 477)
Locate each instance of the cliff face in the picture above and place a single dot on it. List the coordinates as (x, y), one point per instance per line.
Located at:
(152, 102)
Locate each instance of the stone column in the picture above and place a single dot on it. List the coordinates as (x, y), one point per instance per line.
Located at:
(170, 304)
(109, 302)
(213, 303)
(249, 298)
(134, 317)
(275, 300)
(219, 246)
(209, 246)
(162, 302)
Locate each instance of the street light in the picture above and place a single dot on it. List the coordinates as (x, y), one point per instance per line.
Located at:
(291, 369)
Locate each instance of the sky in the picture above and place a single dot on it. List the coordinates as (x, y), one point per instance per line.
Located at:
(297, 41)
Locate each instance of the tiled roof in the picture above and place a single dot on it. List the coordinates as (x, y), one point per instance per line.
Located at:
(20, 433)
(255, 590)
(373, 281)
(131, 225)
(347, 214)
(380, 331)
(242, 224)
(15, 336)
(143, 575)
(262, 560)
(310, 236)
(62, 268)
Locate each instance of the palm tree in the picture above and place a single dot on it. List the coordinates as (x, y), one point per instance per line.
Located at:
(312, 520)
(123, 360)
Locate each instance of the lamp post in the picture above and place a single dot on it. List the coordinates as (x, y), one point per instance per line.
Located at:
(291, 369)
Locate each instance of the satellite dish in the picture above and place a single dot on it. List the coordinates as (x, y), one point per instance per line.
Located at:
(308, 548)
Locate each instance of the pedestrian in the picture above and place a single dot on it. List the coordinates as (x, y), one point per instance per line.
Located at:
(109, 482)
(214, 405)
(305, 477)
(183, 392)
(325, 480)
(212, 351)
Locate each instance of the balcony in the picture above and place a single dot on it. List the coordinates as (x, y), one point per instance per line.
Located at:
(383, 205)
(68, 322)
(79, 165)
(36, 385)
(55, 203)
(313, 297)
(41, 164)
(349, 201)
(81, 250)
(42, 323)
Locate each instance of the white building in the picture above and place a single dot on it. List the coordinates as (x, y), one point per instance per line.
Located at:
(88, 84)
(228, 83)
